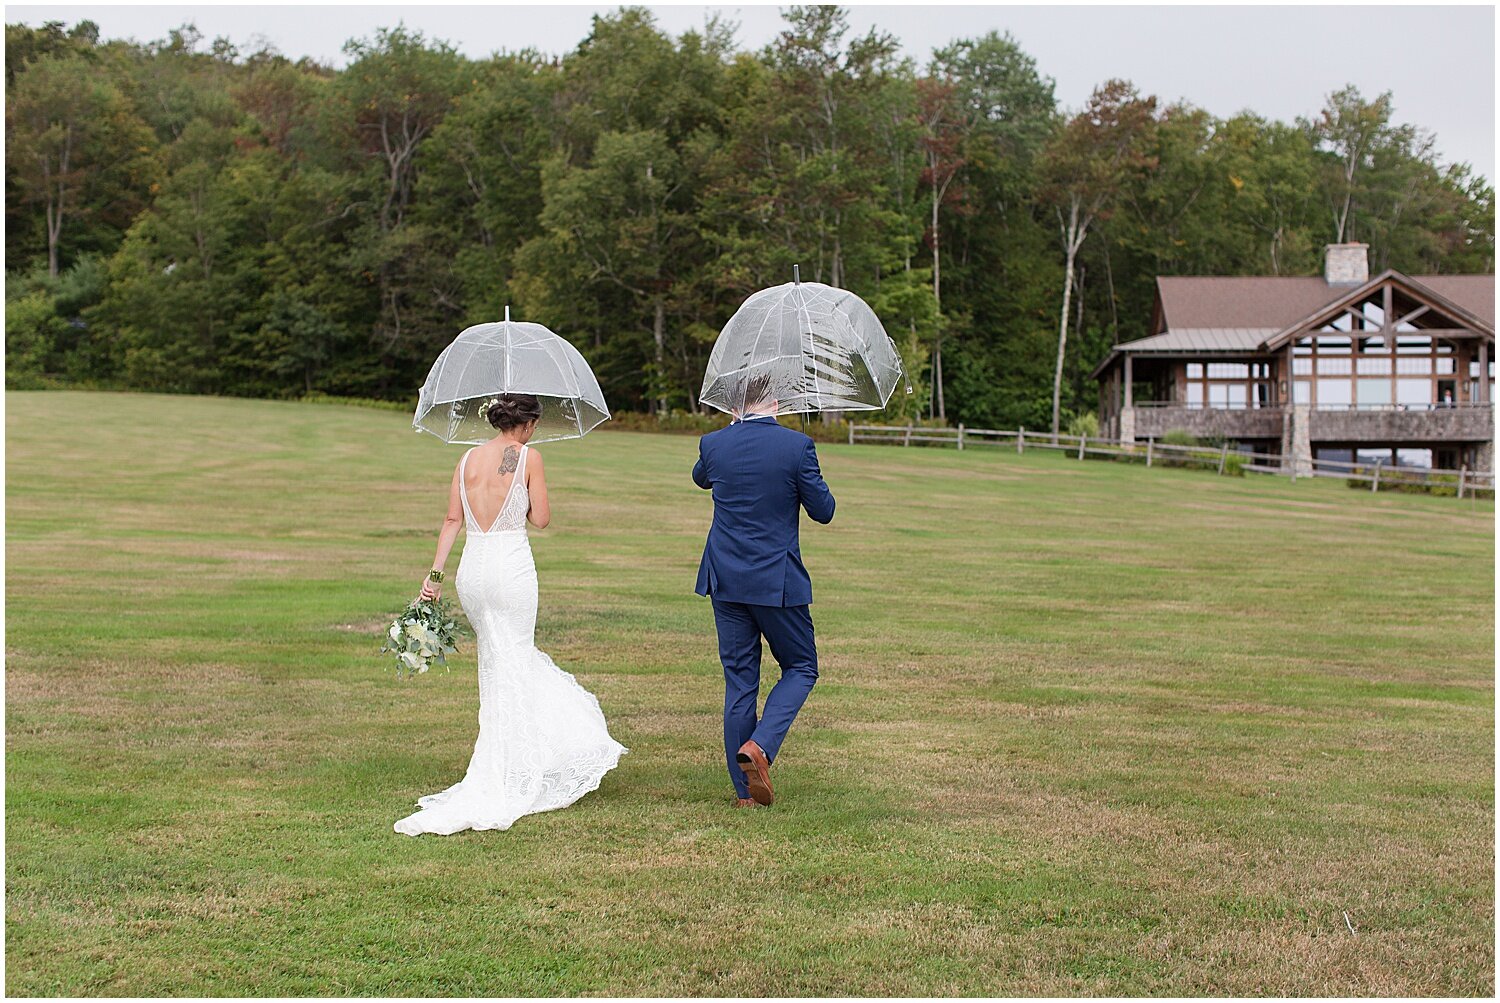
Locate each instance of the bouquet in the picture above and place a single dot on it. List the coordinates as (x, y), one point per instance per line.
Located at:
(425, 632)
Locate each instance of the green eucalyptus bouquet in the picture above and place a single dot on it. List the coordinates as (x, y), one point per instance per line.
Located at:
(427, 631)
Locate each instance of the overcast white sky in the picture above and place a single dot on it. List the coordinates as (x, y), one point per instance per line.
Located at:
(1278, 61)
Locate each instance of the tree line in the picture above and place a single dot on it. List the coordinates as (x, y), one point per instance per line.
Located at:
(185, 216)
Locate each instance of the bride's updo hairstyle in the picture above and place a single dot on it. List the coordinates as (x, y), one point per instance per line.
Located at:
(513, 411)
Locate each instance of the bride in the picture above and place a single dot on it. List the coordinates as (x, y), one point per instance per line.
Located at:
(543, 743)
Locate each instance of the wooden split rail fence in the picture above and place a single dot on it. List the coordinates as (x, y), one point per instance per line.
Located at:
(1151, 452)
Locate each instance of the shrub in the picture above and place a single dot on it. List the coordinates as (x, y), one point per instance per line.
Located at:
(33, 334)
(1084, 424)
(1178, 437)
(319, 397)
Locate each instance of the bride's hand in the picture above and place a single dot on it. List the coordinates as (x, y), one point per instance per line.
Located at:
(430, 589)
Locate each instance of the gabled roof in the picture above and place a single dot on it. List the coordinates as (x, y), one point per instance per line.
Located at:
(1207, 313)
(1206, 301)
(1474, 293)
(1198, 301)
(1352, 295)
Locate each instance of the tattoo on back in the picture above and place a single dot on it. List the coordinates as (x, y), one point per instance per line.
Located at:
(509, 460)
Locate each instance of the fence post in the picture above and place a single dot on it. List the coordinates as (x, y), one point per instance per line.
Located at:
(960, 435)
(851, 433)
(1021, 441)
(1223, 455)
(1463, 475)
(1150, 448)
(1375, 483)
(908, 436)
(1081, 440)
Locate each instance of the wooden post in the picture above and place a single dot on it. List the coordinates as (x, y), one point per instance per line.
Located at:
(960, 435)
(1150, 448)
(1463, 475)
(1223, 456)
(1021, 441)
(1082, 439)
(1484, 371)
(908, 436)
(851, 433)
(1375, 481)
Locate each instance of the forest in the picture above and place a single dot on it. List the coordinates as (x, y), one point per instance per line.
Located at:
(184, 216)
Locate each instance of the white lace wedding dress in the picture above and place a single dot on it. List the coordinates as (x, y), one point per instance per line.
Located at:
(543, 742)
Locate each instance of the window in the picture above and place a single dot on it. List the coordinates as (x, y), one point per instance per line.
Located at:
(1374, 393)
(1302, 392)
(1335, 393)
(1413, 346)
(1414, 367)
(1414, 393)
(1446, 366)
(1302, 367)
(1373, 346)
(1414, 457)
(1227, 395)
(1375, 367)
(1333, 346)
(1229, 385)
(1334, 367)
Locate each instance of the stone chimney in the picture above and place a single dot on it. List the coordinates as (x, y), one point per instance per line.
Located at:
(1346, 264)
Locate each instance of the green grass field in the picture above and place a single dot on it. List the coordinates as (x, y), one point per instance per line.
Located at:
(1081, 728)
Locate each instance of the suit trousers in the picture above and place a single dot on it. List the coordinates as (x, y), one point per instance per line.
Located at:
(789, 632)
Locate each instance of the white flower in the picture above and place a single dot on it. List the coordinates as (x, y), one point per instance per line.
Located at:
(424, 634)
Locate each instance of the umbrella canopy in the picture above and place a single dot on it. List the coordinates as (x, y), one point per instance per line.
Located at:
(509, 357)
(806, 346)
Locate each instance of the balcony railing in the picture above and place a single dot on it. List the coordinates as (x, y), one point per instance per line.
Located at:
(1459, 422)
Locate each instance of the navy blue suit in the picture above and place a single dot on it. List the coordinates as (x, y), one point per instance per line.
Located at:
(762, 474)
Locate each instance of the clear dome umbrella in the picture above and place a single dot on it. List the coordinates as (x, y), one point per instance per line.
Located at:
(509, 357)
(807, 347)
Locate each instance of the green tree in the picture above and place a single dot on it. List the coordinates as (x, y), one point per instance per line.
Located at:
(74, 149)
(620, 223)
(379, 112)
(1088, 163)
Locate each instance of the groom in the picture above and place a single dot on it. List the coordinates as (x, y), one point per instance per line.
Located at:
(760, 473)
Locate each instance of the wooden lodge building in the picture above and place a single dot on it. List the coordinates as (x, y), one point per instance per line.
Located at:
(1398, 368)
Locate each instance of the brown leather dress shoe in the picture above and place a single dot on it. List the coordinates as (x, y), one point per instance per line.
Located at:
(752, 759)
(744, 803)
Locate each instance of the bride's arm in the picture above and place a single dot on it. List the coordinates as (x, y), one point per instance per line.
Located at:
(452, 523)
(536, 488)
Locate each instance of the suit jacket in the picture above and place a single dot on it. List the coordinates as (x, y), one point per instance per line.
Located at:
(761, 474)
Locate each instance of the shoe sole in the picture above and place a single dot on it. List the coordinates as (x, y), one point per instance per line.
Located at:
(756, 780)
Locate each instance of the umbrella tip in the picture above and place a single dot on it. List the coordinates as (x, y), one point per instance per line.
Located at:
(507, 313)
(797, 274)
